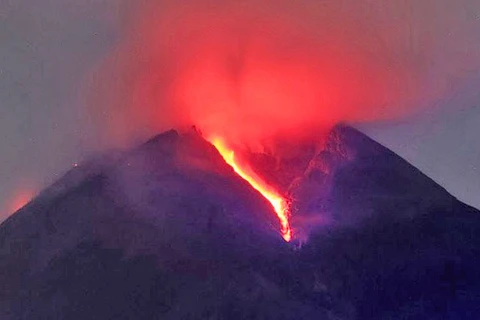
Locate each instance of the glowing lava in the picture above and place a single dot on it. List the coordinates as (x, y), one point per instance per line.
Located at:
(279, 204)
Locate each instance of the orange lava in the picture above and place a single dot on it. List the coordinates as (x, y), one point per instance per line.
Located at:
(279, 204)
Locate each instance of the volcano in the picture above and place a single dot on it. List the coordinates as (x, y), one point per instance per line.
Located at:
(169, 230)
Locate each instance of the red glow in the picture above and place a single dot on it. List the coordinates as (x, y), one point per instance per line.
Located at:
(278, 203)
(257, 73)
(20, 200)
(253, 72)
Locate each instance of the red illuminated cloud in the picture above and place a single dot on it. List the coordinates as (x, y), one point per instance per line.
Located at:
(253, 70)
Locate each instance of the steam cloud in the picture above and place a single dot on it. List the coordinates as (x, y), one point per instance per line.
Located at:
(255, 70)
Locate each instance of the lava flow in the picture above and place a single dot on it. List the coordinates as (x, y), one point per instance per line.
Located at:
(279, 204)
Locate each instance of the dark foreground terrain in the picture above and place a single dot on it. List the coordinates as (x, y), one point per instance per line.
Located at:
(168, 231)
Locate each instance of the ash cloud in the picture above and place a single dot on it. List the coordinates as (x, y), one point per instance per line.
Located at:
(251, 71)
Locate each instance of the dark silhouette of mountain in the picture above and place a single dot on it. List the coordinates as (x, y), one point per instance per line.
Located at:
(169, 231)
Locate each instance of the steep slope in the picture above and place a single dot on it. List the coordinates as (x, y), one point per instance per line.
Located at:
(397, 245)
(168, 231)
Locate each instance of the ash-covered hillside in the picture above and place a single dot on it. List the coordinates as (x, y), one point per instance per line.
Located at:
(169, 231)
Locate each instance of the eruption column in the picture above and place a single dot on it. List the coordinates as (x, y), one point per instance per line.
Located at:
(278, 203)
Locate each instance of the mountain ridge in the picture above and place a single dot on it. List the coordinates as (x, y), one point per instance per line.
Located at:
(168, 230)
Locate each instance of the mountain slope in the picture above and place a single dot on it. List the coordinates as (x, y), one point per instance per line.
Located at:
(168, 231)
(399, 246)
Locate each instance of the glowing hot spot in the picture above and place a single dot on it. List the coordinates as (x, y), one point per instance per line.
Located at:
(20, 199)
(279, 204)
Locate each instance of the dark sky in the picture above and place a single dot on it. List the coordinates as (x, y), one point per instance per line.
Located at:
(48, 47)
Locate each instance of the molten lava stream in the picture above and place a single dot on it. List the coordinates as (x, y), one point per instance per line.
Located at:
(279, 204)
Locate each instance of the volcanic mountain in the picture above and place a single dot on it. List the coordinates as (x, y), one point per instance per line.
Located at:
(168, 230)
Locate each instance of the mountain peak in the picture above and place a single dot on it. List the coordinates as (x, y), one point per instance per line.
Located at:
(168, 230)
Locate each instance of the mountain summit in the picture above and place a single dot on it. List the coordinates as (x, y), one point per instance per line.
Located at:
(168, 230)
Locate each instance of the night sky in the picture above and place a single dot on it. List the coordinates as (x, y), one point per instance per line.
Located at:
(48, 49)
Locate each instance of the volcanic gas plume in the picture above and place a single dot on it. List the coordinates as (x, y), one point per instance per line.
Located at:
(257, 71)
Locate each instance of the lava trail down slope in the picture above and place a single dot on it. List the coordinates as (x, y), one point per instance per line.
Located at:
(168, 230)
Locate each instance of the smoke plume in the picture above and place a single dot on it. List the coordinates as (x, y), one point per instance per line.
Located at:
(250, 71)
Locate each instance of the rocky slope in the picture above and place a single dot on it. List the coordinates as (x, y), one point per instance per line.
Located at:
(168, 231)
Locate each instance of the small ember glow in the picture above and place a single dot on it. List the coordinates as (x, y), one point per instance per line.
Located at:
(20, 200)
(279, 204)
